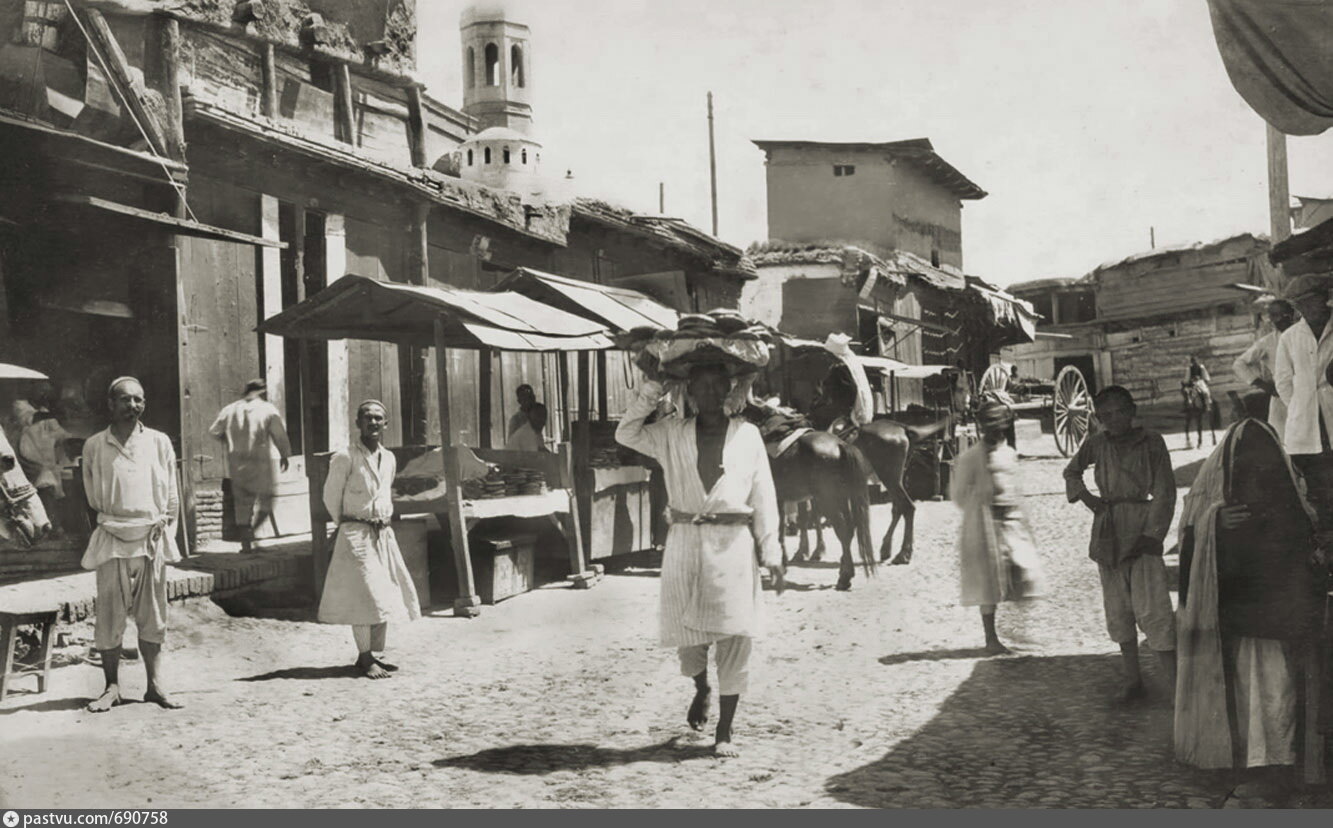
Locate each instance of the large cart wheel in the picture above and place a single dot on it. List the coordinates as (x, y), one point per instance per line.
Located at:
(1072, 405)
(996, 378)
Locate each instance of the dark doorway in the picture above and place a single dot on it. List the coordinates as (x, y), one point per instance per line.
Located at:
(1085, 364)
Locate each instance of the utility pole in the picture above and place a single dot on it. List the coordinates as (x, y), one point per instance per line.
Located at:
(1152, 238)
(661, 197)
(1279, 196)
(712, 161)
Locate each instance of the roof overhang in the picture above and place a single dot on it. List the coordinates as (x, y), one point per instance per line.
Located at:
(619, 309)
(918, 151)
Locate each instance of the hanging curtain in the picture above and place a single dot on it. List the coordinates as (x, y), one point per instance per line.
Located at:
(1277, 55)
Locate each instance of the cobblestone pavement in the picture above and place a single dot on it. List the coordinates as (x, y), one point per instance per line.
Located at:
(878, 697)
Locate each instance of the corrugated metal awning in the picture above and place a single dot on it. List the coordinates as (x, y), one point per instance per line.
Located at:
(620, 309)
(355, 307)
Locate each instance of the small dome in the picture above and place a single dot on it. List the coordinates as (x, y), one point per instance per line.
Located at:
(482, 13)
(498, 133)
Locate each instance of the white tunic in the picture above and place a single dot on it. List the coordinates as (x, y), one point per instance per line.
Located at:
(367, 581)
(1298, 373)
(132, 487)
(256, 441)
(1256, 363)
(710, 574)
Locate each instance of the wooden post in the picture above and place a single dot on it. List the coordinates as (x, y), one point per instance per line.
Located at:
(268, 97)
(105, 43)
(712, 164)
(585, 391)
(163, 73)
(1279, 196)
(344, 110)
(601, 386)
(416, 126)
(485, 378)
(411, 357)
(467, 603)
(581, 575)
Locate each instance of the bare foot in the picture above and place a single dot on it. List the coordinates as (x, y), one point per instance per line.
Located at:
(109, 699)
(996, 648)
(725, 750)
(155, 695)
(698, 713)
(371, 669)
(392, 668)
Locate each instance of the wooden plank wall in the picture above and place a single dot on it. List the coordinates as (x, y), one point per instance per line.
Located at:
(1151, 359)
(1172, 282)
(378, 252)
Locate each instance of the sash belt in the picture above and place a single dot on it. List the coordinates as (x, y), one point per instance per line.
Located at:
(719, 518)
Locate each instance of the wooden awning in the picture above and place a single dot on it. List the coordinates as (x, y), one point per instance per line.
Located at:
(178, 225)
(619, 309)
(355, 307)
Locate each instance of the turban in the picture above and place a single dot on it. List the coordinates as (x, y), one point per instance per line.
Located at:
(994, 415)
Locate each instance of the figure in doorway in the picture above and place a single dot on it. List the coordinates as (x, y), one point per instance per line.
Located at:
(527, 398)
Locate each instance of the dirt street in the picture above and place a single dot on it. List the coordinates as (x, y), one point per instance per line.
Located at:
(874, 698)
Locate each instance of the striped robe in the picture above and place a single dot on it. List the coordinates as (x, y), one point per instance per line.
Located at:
(710, 572)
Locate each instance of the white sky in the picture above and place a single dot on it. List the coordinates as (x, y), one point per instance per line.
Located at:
(1087, 122)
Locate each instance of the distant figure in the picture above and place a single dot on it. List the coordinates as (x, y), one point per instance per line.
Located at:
(368, 584)
(1132, 511)
(257, 448)
(526, 399)
(42, 450)
(1198, 398)
(528, 436)
(1255, 366)
(129, 476)
(997, 555)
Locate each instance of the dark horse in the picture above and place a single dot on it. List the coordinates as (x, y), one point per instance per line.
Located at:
(886, 445)
(821, 468)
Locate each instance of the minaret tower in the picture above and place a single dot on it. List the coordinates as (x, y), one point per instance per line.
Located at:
(497, 68)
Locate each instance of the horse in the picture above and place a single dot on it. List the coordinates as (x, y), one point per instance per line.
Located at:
(1198, 404)
(821, 469)
(887, 445)
(23, 519)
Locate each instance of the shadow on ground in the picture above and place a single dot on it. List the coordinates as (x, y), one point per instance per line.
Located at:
(49, 706)
(527, 760)
(1035, 732)
(308, 673)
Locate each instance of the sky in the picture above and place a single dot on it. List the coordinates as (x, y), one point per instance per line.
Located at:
(1087, 122)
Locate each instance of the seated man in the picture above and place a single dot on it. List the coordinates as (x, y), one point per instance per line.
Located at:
(528, 436)
(1249, 599)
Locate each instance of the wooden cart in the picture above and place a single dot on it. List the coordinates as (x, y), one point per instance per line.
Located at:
(1064, 404)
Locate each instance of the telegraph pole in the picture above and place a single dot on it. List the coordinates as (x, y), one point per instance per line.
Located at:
(712, 161)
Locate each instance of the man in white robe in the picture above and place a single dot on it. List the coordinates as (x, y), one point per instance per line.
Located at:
(257, 451)
(528, 437)
(1254, 367)
(725, 524)
(129, 476)
(368, 584)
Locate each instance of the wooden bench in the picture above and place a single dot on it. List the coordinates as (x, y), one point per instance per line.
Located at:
(9, 627)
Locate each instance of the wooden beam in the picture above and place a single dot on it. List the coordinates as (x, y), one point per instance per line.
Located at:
(601, 386)
(176, 222)
(485, 378)
(105, 43)
(412, 358)
(344, 110)
(467, 603)
(1279, 195)
(268, 97)
(164, 46)
(416, 127)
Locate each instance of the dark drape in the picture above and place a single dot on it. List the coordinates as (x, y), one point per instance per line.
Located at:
(1278, 56)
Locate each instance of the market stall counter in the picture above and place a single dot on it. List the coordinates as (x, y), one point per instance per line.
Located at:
(459, 489)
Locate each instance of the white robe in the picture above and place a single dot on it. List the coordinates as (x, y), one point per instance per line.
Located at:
(997, 558)
(1257, 364)
(367, 581)
(256, 442)
(710, 573)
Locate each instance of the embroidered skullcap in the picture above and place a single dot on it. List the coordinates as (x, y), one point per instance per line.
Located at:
(111, 389)
(255, 385)
(367, 403)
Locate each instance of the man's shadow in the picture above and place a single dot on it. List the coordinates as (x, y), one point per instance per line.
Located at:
(308, 673)
(534, 760)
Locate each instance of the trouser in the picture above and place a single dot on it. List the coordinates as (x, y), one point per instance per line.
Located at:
(131, 588)
(370, 637)
(733, 663)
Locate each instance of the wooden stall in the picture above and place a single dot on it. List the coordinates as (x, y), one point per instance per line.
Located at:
(613, 484)
(355, 307)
